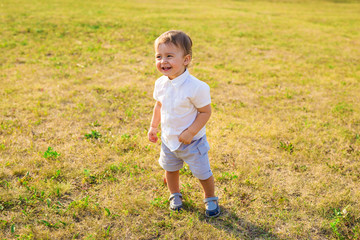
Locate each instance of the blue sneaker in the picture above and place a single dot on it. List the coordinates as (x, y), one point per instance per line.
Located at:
(212, 207)
(176, 201)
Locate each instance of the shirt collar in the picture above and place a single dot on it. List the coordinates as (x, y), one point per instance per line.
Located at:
(176, 82)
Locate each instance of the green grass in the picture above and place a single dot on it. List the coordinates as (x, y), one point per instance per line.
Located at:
(76, 101)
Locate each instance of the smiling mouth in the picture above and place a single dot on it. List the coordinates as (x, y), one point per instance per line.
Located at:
(166, 68)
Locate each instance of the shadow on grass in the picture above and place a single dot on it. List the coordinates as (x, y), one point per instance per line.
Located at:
(236, 226)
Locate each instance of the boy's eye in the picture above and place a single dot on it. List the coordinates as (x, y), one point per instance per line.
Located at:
(169, 56)
(158, 57)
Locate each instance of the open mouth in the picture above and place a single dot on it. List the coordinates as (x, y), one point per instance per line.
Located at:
(166, 68)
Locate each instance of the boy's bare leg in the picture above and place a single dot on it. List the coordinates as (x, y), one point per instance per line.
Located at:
(208, 186)
(173, 181)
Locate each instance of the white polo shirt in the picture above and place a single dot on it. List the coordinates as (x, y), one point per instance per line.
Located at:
(180, 99)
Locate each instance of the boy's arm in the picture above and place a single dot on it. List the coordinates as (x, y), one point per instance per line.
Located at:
(201, 119)
(155, 121)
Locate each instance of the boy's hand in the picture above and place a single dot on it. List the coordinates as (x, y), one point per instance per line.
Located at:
(186, 137)
(152, 134)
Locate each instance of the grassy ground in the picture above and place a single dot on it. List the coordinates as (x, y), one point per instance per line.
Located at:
(76, 100)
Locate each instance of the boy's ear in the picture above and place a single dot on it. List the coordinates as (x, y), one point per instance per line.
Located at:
(187, 60)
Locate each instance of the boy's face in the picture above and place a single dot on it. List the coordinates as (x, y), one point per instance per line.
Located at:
(170, 60)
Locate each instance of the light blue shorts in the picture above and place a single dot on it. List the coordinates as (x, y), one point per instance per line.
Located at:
(194, 154)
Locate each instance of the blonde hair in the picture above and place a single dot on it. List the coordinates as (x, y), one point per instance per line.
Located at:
(178, 38)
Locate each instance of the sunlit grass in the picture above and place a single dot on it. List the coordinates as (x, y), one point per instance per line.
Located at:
(76, 101)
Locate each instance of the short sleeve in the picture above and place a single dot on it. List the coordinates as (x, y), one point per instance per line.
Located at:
(155, 93)
(201, 96)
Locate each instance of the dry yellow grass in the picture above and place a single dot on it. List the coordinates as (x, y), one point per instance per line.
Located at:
(284, 134)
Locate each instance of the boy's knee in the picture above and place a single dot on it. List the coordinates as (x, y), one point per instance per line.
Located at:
(203, 176)
(207, 179)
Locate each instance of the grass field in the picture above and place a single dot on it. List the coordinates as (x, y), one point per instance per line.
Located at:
(76, 102)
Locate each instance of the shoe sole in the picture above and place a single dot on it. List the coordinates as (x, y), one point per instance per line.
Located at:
(176, 208)
(214, 216)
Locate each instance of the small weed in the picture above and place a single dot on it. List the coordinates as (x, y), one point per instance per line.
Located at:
(107, 211)
(301, 168)
(248, 182)
(357, 137)
(50, 154)
(80, 204)
(219, 66)
(343, 108)
(344, 225)
(334, 167)
(95, 124)
(5, 184)
(214, 105)
(107, 232)
(24, 180)
(114, 168)
(3, 223)
(160, 202)
(163, 224)
(89, 178)
(94, 134)
(288, 147)
(76, 235)
(122, 168)
(56, 175)
(125, 136)
(129, 112)
(46, 223)
(227, 176)
(50, 225)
